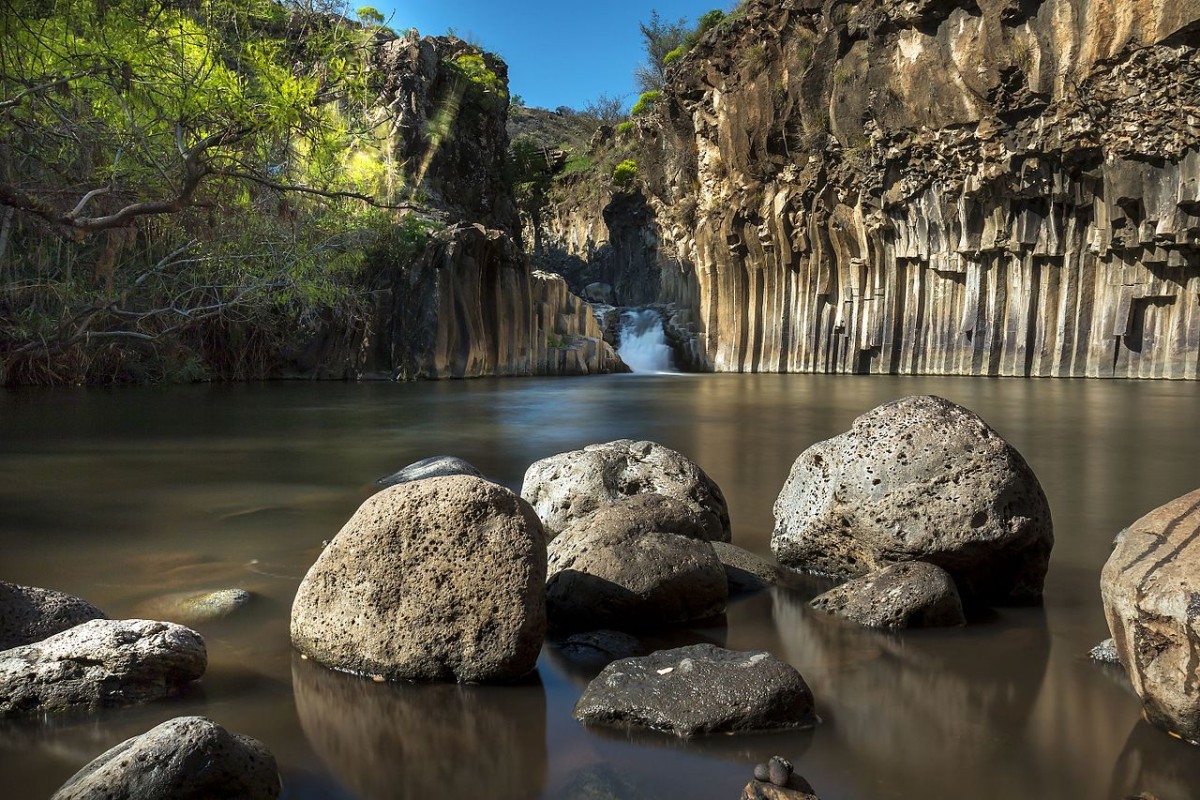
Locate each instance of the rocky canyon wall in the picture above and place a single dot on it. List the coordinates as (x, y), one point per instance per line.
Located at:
(988, 187)
(469, 304)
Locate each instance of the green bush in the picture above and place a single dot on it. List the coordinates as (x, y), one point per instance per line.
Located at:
(624, 127)
(475, 69)
(645, 103)
(625, 173)
(709, 21)
(674, 55)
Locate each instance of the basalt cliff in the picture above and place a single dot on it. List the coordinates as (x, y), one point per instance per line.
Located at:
(974, 187)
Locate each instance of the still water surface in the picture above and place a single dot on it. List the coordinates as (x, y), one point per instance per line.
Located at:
(123, 495)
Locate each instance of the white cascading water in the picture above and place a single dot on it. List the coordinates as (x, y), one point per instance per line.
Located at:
(643, 344)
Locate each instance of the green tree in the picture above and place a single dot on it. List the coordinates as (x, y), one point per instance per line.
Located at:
(659, 37)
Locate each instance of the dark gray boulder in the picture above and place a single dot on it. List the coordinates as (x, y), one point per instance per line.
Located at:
(1150, 587)
(909, 595)
(99, 664)
(598, 648)
(571, 486)
(436, 579)
(698, 689)
(433, 467)
(918, 479)
(186, 758)
(29, 614)
(747, 572)
(625, 578)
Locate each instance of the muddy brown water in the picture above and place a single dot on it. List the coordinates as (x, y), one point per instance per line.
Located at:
(123, 495)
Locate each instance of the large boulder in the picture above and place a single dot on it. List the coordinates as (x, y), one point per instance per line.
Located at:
(918, 479)
(186, 758)
(437, 579)
(620, 576)
(698, 689)
(909, 595)
(432, 467)
(572, 486)
(99, 664)
(29, 614)
(1151, 591)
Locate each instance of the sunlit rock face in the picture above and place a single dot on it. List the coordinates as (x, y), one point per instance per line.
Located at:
(468, 305)
(939, 187)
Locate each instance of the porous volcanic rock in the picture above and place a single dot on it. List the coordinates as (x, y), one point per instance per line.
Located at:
(909, 595)
(1151, 591)
(29, 614)
(99, 664)
(572, 486)
(438, 579)
(919, 479)
(747, 572)
(698, 689)
(186, 758)
(619, 576)
(432, 467)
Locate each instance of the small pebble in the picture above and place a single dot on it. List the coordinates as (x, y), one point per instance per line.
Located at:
(762, 772)
(779, 770)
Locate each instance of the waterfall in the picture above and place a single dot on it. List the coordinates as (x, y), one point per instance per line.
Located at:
(643, 343)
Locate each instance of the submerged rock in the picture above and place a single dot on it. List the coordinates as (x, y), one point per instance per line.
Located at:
(29, 614)
(572, 486)
(1151, 591)
(186, 758)
(747, 572)
(698, 689)
(190, 608)
(909, 595)
(598, 648)
(622, 577)
(433, 467)
(100, 664)
(437, 579)
(918, 479)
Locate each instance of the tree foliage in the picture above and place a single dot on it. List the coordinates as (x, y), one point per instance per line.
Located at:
(659, 37)
(203, 169)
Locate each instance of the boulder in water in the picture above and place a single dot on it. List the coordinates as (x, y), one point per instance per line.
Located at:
(432, 467)
(699, 689)
(191, 608)
(1151, 591)
(918, 479)
(29, 614)
(909, 595)
(572, 486)
(437, 579)
(186, 758)
(100, 664)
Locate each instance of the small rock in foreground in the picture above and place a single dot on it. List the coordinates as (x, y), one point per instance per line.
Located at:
(30, 614)
(698, 689)
(433, 467)
(796, 789)
(190, 608)
(100, 664)
(1106, 653)
(909, 595)
(186, 758)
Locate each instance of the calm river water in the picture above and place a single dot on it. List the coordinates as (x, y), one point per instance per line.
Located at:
(123, 495)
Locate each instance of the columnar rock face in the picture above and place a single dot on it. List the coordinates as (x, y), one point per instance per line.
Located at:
(186, 758)
(942, 187)
(437, 579)
(100, 664)
(1151, 591)
(569, 340)
(574, 485)
(29, 614)
(918, 479)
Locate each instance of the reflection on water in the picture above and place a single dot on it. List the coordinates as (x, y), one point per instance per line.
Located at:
(410, 740)
(122, 496)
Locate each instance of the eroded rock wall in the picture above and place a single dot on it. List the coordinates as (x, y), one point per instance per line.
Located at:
(938, 187)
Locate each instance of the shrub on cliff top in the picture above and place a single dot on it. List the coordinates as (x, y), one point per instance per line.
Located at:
(475, 69)
(645, 103)
(624, 127)
(625, 173)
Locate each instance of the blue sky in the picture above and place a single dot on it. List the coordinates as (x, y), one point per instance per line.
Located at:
(558, 53)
